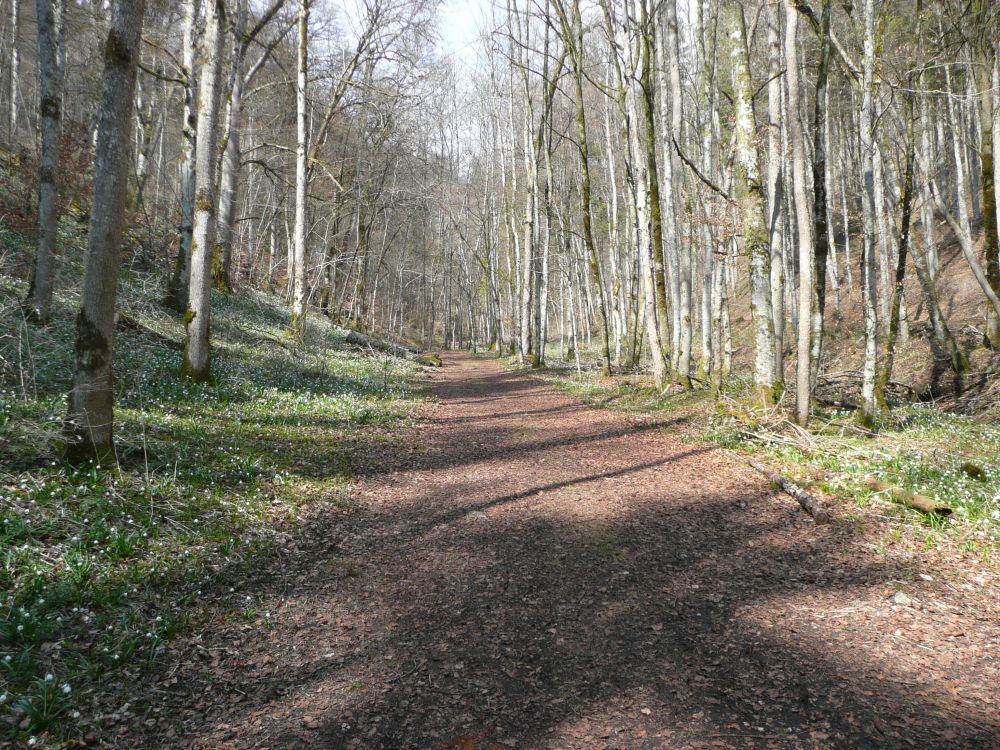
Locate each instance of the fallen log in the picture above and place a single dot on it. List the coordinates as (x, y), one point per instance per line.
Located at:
(809, 504)
(910, 499)
(369, 342)
(429, 360)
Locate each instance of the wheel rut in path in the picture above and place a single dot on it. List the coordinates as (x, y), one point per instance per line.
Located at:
(530, 572)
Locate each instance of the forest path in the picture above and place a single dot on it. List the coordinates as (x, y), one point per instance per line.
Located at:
(530, 572)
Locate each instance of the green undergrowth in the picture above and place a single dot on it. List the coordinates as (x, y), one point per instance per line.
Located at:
(951, 458)
(101, 569)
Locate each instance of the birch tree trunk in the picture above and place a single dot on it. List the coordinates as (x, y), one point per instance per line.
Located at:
(88, 428)
(50, 12)
(298, 321)
(196, 364)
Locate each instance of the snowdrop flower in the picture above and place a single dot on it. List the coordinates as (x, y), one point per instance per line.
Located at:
(66, 688)
(49, 677)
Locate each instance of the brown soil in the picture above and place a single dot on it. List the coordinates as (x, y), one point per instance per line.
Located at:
(533, 573)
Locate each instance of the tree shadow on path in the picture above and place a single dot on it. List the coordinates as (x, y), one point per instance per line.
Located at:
(590, 582)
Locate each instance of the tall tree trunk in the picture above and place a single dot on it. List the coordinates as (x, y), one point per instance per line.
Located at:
(803, 218)
(821, 208)
(901, 251)
(678, 250)
(301, 183)
(179, 284)
(572, 27)
(89, 422)
(196, 363)
(640, 217)
(229, 174)
(655, 200)
(776, 185)
(960, 223)
(15, 69)
(50, 12)
(752, 205)
(988, 80)
(869, 405)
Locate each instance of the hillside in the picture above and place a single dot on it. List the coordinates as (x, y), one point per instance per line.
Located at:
(102, 571)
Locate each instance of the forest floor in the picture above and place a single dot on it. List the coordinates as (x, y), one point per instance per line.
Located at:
(522, 570)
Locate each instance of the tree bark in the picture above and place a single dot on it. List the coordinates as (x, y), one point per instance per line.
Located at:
(678, 251)
(572, 27)
(821, 209)
(298, 321)
(229, 173)
(197, 364)
(803, 218)
(988, 79)
(869, 405)
(655, 203)
(752, 208)
(88, 428)
(50, 12)
(15, 70)
(179, 284)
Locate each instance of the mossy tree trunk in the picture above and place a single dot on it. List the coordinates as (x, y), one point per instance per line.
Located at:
(50, 12)
(197, 362)
(747, 180)
(821, 205)
(89, 422)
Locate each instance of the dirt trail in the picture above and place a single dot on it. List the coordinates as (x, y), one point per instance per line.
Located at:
(535, 573)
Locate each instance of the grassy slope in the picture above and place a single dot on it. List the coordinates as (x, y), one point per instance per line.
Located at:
(99, 571)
